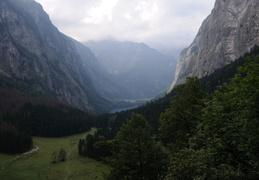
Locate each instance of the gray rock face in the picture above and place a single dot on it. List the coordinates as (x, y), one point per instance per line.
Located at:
(34, 51)
(227, 33)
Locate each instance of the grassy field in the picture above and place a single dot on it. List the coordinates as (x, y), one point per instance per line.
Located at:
(38, 165)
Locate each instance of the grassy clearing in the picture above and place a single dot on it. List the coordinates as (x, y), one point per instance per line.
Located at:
(39, 166)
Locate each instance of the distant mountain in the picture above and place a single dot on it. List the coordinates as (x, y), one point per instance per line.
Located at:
(226, 34)
(98, 76)
(35, 57)
(137, 70)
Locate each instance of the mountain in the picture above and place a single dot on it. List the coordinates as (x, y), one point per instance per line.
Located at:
(98, 76)
(137, 70)
(36, 57)
(227, 33)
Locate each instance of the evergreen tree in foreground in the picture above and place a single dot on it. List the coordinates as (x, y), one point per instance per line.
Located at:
(225, 145)
(136, 155)
(178, 122)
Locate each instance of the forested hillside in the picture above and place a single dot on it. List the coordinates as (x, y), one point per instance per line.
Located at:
(224, 141)
(204, 129)
(152, 110)
(23, 116)
(206, 135)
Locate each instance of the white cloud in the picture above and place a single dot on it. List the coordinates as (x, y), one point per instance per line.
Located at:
(101, 12)
(159, 23)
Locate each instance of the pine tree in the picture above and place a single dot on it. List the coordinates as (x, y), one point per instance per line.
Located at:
(80, 148)
(178, 122)
(136, 155)
(62, 155)
(225, 145)
(90, 146)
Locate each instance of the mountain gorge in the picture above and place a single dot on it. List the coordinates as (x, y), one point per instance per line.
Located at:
(35, 53)
(227, 33)
(39, 60)
(54, 86)
(137, 70)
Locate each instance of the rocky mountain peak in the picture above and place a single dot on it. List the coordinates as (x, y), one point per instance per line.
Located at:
(227, 33)
(34, 52)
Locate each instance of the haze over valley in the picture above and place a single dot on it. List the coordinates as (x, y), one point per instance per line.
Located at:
(125, 90)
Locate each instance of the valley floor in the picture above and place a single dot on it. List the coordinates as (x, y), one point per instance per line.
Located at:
(36, 164)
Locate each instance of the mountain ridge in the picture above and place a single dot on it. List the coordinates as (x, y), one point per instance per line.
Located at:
(226, 34)
(36, 53)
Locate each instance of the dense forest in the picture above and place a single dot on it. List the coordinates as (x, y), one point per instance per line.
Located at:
(203, 129)
(152, 110)
(23, 116)
(208, 130)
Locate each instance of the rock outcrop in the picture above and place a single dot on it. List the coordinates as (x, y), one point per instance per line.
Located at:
(33, 51)
(227, 33)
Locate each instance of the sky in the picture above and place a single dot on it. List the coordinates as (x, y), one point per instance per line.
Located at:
(161, 24)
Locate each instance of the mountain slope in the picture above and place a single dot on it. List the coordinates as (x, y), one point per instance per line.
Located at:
(34, 52)
(138, 71)
(98, 76)
(227, 33)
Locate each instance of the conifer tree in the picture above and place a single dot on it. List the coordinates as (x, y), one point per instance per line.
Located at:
(178, 122)
(136, 155)
(62, 155)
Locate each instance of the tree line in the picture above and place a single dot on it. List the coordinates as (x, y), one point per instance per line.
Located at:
(96, 145)
(224, 141)
(42, 120)
(192, 133)
(199, 135)
(13, 140)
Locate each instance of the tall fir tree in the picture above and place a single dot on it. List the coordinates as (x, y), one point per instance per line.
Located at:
(178, 122)
(136, 155)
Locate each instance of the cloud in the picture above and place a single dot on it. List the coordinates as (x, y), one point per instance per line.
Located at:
(159, 23)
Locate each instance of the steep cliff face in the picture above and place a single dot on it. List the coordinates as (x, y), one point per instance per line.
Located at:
(136, 70)
(227, 33)
(35, 52)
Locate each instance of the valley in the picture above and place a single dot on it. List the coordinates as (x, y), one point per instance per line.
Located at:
(114, 109)
(38, 165)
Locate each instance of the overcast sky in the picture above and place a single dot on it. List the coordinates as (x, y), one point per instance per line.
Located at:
(158, 23)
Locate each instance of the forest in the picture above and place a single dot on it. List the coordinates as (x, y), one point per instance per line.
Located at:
(29, 118)
(209, 130)
(204, 129)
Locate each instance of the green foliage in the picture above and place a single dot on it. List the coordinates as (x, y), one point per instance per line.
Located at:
(13, 140)
(136, 155)
(187, 164)
(231, 122)
(86, 147)
(214, 138)
(38, 165)
(223, 75)
(48, 121)
(226, 142)
(178, 122)
(62, 155)
(97, 146)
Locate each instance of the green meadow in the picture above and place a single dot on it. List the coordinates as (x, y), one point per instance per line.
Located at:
(38, 164)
